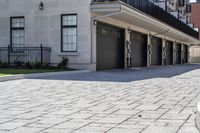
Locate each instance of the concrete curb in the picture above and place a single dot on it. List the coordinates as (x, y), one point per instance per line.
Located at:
(38, 75)
(197, 119)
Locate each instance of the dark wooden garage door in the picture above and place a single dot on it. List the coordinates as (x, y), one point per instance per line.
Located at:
(185, 53)
(138, 49)
(156, 57)
(178, 53)
(169, 53)
(110, 47)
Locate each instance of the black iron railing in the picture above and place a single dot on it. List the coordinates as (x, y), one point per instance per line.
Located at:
(25, 54)
(155, 11)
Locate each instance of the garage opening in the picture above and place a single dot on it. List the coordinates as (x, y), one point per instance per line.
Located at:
(185, 54)
(138, 49)
(169, 53)
(178, 53)
(110, 47)
(156, 57)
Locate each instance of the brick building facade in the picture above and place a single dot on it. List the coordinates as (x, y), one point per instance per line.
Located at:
(195, 17)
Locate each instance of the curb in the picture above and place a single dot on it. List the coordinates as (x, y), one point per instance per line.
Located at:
(38, 75)
(197, 119)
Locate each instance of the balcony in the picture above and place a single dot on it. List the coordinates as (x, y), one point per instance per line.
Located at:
(181, 4)
(160, 3)
(157, 13)
(188, 9)
(25, 54)
(175, 14)
(191, 25)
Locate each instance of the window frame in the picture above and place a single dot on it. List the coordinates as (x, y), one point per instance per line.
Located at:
(16, 28)
(69, 26)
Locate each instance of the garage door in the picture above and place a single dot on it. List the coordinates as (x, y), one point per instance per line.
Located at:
(169, 53)
(178, 53)
(185, 53)
(110, 47)
(156, 57)
(138, 49)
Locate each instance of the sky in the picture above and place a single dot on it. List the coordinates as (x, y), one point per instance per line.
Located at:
(192, 0)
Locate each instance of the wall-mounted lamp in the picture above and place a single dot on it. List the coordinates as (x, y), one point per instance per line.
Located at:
(41, 6)
(94, 22)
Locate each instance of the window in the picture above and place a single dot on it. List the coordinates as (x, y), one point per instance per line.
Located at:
(69, 33)
(17, 32)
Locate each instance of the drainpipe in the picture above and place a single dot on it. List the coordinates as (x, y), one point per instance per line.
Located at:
(93, 22)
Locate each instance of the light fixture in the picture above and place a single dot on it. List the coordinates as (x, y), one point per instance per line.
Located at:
(41, 6)
(95, 22)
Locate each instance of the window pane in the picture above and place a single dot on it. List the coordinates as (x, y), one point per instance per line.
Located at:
(17, 22)
(74, 39)
(69, 39)
(18, 38)
(70, 20)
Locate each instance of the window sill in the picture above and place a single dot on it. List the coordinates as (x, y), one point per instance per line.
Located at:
(69, 54)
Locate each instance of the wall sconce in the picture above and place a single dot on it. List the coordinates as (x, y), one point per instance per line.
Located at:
(41, 6)
(95, 22)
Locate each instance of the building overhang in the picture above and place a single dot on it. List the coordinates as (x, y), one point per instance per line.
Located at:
(125, 13)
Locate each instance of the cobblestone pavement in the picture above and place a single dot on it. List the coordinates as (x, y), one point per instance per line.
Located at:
(153, 100)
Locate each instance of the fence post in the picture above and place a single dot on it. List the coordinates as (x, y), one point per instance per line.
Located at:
(41, 53)
(9, 50)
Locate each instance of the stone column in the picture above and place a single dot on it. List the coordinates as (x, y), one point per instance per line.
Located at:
(93, 45)
(164, 54)
(127, 49)
(182, 53)
(189, 53)
(174, 53)
(149, 50)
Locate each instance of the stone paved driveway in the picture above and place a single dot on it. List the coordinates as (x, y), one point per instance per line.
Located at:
(153, 100)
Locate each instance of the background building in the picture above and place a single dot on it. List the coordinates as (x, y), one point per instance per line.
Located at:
(195, 20)
(181, 9)
(195, 16)
(97, 34)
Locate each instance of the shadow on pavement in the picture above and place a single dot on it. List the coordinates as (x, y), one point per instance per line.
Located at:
(128, 75)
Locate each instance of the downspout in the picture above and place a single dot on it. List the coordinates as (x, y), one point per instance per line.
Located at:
(93, 22)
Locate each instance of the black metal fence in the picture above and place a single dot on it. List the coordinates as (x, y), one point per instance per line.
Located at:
(25, 54)
(155, 11)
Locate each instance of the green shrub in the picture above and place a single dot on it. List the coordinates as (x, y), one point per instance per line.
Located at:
(1, 63)
(18, 63)
(38, 65)
(29, 65)
(46, 65)
(4, 65)
(63, 63)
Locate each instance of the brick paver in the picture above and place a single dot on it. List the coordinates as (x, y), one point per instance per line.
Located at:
(153, 100)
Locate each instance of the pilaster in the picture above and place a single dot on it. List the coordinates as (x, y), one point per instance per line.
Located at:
(149, 50)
